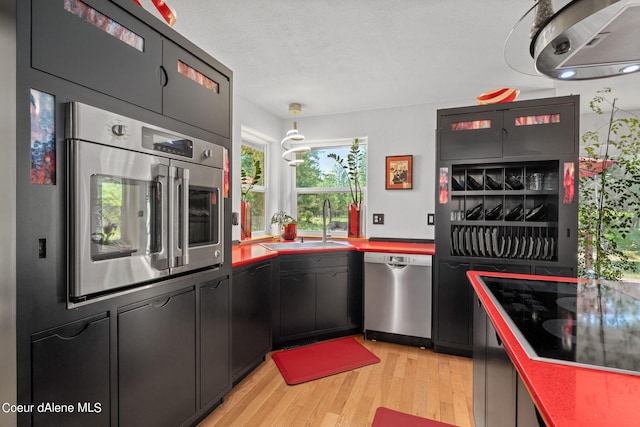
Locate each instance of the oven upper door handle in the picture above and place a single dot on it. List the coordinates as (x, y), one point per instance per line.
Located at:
(178, 216)
(158, 210)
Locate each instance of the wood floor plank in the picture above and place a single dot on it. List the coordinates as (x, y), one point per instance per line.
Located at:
(407, 379)
(408, 387)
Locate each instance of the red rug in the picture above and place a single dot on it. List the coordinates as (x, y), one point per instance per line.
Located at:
(388, 418)
(323, 359)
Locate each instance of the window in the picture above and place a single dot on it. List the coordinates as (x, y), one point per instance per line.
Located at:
(250, 152)
(320, 177)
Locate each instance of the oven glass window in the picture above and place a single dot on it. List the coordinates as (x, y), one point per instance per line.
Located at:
(203, 216)
(122, 216)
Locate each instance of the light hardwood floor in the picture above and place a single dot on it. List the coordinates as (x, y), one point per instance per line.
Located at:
(407, 379)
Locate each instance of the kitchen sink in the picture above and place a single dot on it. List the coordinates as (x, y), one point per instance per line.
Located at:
(305, 245)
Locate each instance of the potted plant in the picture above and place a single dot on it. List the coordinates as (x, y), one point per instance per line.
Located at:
(248, 181)
(609, 193)
(352, 170)
(287, 225)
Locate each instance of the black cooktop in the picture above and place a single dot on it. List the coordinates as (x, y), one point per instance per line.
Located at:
(587, 323)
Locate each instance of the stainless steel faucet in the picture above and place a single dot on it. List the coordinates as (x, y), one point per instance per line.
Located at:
(326, 207)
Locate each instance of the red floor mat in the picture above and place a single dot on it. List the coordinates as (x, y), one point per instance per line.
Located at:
(388, 418)
(323, 359)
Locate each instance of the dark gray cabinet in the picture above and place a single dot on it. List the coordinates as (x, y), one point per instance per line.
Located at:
(250, 317)
(507, 201)
(544, 127)
(70, 366)
(332, 299)
(71, 42)
(500, 398)
(215, 340)
(155, 355)
(157, 361)
(194, 92)
(316, 294)
(100, 46)
(297, 303)
(452, 310)
(472, 135)
(541, 130)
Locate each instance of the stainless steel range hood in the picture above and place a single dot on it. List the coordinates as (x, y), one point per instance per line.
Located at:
(588, 39)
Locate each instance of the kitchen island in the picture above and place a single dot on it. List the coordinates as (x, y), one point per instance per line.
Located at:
(592, 390)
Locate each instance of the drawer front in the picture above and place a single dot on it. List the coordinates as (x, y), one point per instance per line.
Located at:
(315, 260)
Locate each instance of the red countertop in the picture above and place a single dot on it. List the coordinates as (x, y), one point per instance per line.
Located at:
(566, 396)
(247, 253)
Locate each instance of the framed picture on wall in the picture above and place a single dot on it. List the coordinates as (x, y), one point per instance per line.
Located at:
(399, 173)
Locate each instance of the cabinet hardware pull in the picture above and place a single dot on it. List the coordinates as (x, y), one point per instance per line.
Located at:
(254, 270)
(161, 303)
(217, 285)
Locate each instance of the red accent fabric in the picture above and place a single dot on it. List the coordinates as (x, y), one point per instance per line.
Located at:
(388, 418)
(323, 359)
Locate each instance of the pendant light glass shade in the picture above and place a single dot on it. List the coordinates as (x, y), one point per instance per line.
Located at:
(293, 136)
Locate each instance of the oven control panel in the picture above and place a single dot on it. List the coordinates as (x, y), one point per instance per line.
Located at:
(91, 124)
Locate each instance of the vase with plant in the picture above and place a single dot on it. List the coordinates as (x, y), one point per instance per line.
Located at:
(609, 208)
(352, 169)
(287, 225)
(248, 180)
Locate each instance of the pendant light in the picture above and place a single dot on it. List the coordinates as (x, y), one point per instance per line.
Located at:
(293, 136)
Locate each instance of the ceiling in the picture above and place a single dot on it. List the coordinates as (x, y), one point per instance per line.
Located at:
(342, 56)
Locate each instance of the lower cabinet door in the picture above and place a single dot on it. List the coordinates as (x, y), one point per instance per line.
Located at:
(500, 383)
(250, 317)
(332, 300)
(526, 409)
(156, 362)
(215, 370)
(297, 303)
(70, 367)
(479, 363)
(453, 307)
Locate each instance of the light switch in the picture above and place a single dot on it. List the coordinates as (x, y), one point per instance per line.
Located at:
(378, 218)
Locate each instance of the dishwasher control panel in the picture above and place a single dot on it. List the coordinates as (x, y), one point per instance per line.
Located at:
(397, 259)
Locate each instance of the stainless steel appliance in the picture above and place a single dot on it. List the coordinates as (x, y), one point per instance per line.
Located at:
(144, 202)
(397, 298)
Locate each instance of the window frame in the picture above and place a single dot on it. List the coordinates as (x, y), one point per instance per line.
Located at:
(295, 191)
(253, 140)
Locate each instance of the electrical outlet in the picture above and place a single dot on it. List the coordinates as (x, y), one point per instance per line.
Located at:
(378, 218)
(431, 219)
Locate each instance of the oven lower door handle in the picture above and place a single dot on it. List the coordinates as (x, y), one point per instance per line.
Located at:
(172, 237)
(184, 244)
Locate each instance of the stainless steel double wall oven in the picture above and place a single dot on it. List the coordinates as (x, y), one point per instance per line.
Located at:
(144, 203)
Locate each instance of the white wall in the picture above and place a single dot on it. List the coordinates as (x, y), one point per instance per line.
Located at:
(390, 132)
(397, 131)
(248, 116)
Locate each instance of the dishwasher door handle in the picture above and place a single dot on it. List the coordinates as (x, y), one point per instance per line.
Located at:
(397, 266)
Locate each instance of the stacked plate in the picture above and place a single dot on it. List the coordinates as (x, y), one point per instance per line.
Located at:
(493, 242)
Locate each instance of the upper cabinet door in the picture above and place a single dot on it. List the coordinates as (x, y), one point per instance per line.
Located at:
(470, 135)
(543, 130)
(98, 45)
(195, 92)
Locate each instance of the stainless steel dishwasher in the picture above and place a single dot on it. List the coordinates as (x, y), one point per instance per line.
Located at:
(397, 298)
